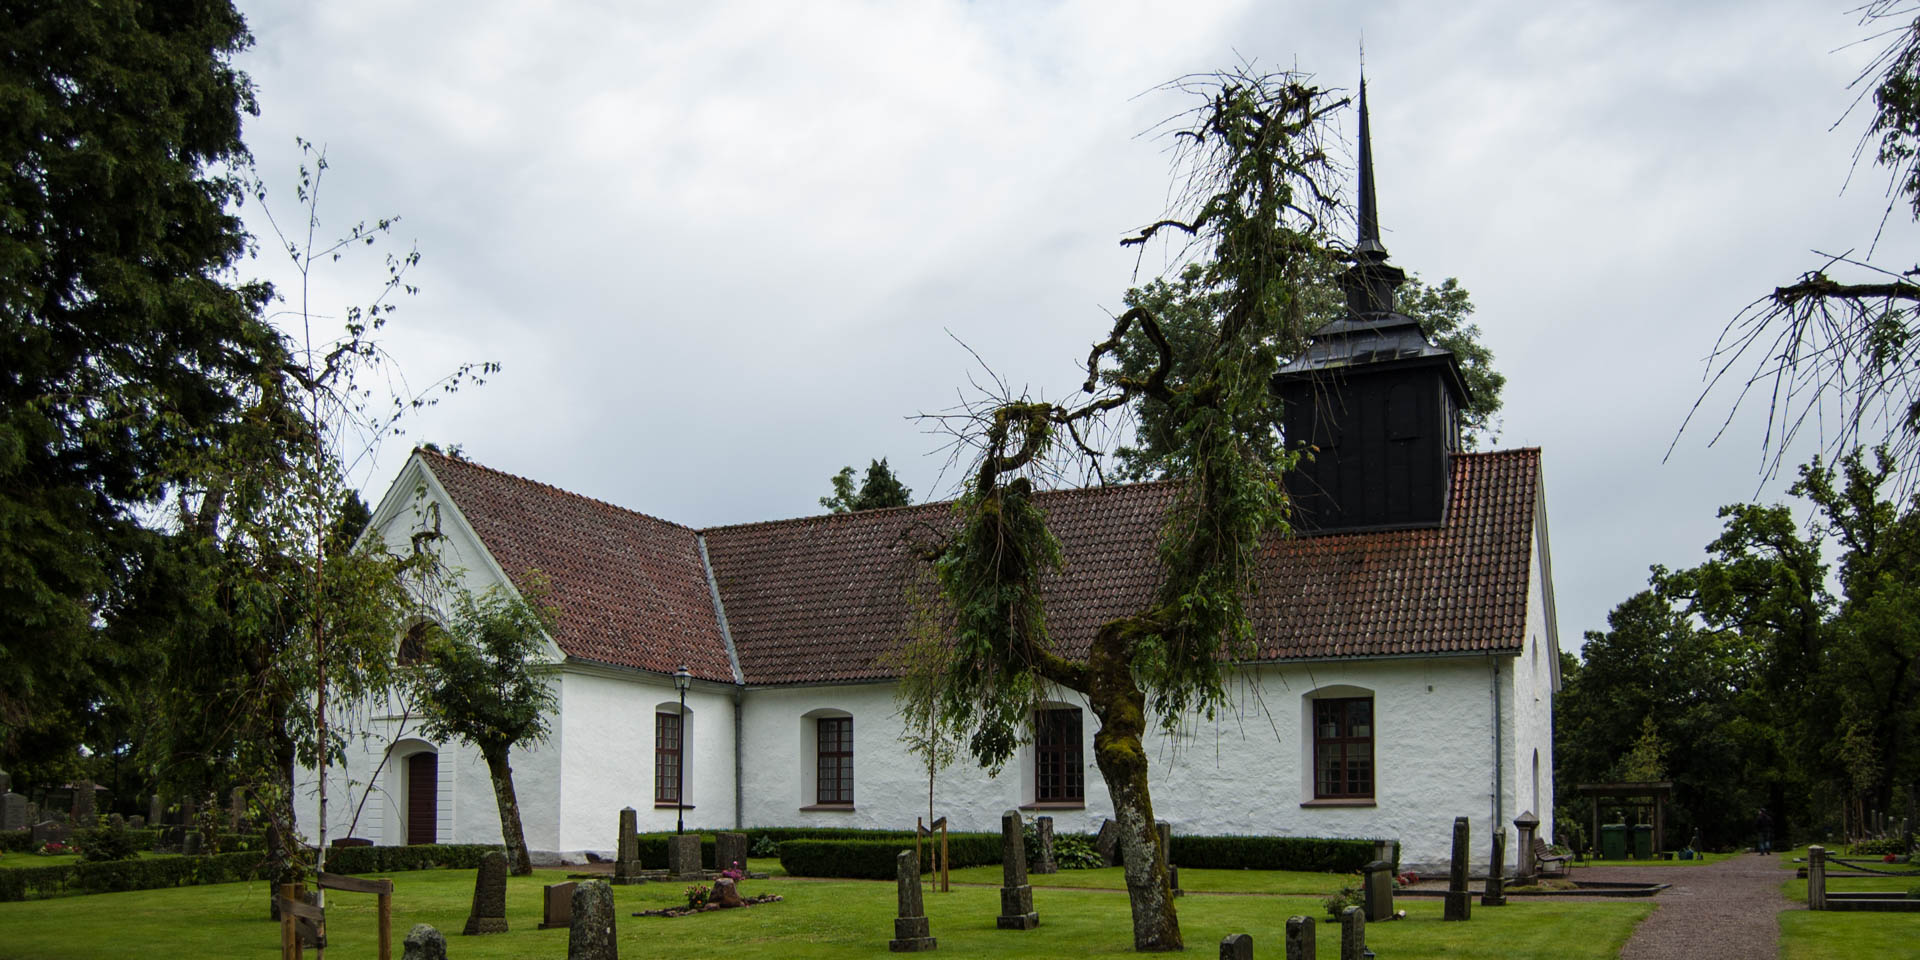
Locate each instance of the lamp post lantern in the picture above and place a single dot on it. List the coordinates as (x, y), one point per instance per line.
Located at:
(682, 678)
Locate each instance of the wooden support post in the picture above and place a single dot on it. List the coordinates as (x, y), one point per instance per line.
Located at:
(946, 879)
(386, 921)
(1816, 877)
(289, 941)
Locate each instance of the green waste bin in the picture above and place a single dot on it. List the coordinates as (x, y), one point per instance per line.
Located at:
(1613, 841)
(1643, 841)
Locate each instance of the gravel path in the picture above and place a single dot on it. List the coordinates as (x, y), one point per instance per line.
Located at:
(1726, 909)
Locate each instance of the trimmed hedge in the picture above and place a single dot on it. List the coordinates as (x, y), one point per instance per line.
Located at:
(426, 856)
(16, 841)
(874, 859)
(1307, 854)
(24, 883)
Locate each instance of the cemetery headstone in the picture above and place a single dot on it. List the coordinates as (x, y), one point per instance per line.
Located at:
(1164, 831)
(237, 810)
(190, 844)
(1816, 877)
(593, 936)
(1016, 896)
(154, 809)
(83, 812)
(683, 856)
(1043, 842)
(1525, 824)
(1300, 938)
(910, 931)
(1107, 843)
(1496, 891)
(13, 812)
(1459, 898)
(423, 942)
(1239, 946)
(1353, 935)
(489, 913)
(116, 821)
(626, 857)
(1379, 890)
(47, 831)
(1173, 880)
(136, 822)
(730, 852)
(726, 894)
(557, 905)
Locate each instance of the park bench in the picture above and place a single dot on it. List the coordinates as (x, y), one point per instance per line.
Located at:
(1549, 863)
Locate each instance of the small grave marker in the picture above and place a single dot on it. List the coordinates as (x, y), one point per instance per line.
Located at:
(683, 856)
(910, 930)
(1108, 843)
(557, 905)
(1238, 946)
(1495, 894)
(1043, 841)
(1525, 824)
(730, 852)
(424, 943)
(626, 859)
(1379, 890)
(1459, 898)
(1353, 935)
(593, 935)
(13, 811)
(1016, 896)
(1300, 938)
(489, 913)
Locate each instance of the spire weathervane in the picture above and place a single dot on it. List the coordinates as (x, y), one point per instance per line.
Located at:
(1369, 240)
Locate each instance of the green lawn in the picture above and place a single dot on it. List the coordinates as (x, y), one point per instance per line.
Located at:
(1191, 880)
(1699, 860)
(18, 860)
(1811, 935)
(819, 919)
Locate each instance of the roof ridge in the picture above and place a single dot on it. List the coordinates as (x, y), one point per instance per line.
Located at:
(464, 462)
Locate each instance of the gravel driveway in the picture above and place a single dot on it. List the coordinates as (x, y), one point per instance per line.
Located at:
(1726, 909)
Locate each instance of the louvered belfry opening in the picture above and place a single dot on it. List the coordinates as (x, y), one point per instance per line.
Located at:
(1371, 403)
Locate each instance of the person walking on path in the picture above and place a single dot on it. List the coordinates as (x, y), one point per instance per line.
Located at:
(1763, 825)
(1727, 909)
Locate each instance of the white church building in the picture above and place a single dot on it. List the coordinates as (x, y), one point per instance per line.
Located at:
(1408, 648)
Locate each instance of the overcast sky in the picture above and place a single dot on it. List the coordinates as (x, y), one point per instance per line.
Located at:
(723, 249)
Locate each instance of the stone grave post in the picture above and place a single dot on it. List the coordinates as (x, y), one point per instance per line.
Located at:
(1173, 881)
(1163, 831)
(726, 893)
(730, 852)
(1379, 890)
(683, 856)
(1016, 896)
(13, 811)
(1496, 891)
(83, 812)
(593, 935)
(190, 844)
(489, 914)
(423, 942)
(1239, 946)
(556, 901)
(1816, 877)
(155, 810)
(1353, 935)
(1107, 843)
(910, 932)
(1300, 938)
(1459, 898)
(1526, 824)
(1043, 858)
(626, 858)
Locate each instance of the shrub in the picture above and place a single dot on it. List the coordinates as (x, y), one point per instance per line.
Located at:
(764, 846)
(1878, 846)
(16, 841)
(1348, 896)
(873, 859)
(462, 856)
(1075, 852)
(105, 843)
(1308, 854)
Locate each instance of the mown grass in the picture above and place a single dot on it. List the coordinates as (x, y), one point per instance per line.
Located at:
(1192, 880)
(819, 919)
(20, 860)
(1699, 860)
(1815, 935)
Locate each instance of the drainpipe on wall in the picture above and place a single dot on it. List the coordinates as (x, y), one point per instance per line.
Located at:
(739, 790)
(1498, 752)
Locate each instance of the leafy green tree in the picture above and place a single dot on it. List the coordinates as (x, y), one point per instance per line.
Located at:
(483, 686)
(1189, 313)
(121, 336)
(879, 488)
(1256, 179)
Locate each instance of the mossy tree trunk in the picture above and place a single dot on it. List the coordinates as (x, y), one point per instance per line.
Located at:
(518, 863)
(1120, 705)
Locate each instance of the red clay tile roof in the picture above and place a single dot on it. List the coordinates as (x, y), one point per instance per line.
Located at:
(824, 599)
(630, 590)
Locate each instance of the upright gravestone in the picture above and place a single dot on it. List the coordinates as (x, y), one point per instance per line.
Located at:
(1816, 877)
(1236, 947)
(726, 894)
(1107, 843)
(1016, 897)
(190, 844)
(1379, 891)
(136, 822)
(556, 900)
(1526, 824)
(1043, 844)
(1353, 934)
(423, 942)
(1173, 881)
(1300, 938)
(1459, 898)
(47, 831)
(626, 858)
(730, 852)
(910, 932)
(83, 813)
(116, 821)
(237, 810)
(683, 856)
(13, 811)
(155, 810)
(489, 913)
(1496, 892)
(593, 936)
(1164, 832)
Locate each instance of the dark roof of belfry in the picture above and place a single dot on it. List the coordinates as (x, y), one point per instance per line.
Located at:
(828, 599)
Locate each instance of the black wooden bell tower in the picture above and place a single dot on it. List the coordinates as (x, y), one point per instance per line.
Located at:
(1371, 402)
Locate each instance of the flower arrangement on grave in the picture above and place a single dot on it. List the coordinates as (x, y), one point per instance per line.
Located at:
(698, 895)
(736, 873)
(53, 848)
(1407, 879)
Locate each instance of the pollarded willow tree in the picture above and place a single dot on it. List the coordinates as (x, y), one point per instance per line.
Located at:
(1253, 204)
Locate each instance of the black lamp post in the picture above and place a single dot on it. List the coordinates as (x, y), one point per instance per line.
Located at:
(682, 678)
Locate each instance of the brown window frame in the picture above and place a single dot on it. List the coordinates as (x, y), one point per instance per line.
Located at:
(833, 768)
(667, 758)
(1347, 785)
(1059, 756)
